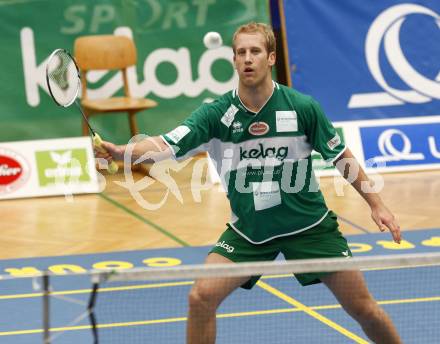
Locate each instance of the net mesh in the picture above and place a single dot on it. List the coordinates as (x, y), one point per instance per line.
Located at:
(62, 78)
(150, 305)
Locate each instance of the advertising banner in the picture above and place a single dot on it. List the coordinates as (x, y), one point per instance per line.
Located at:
(366, 60)
(411, 143)
(375, 68)
(388, 145)
(47, 168)
(173, 65)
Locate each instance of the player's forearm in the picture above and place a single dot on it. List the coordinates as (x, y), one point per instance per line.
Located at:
(148, 150)
(350, 169)
(363, 182)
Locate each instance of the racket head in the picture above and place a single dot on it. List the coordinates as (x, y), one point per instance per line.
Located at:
(63, 77)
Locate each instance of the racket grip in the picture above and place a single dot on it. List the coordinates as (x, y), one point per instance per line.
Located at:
(97, 142)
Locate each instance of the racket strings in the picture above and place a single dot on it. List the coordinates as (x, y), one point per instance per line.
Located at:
(59, 74)
(63, 78)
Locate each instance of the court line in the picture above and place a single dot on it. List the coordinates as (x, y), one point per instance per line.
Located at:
(221, 315)
(148, 322)
(362, 229)
(290, 300)
(144, 220)
(100, 290)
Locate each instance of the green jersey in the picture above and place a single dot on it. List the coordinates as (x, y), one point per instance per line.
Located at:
(263, 159)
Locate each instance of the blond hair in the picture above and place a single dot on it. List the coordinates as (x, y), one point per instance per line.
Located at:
(253, 27)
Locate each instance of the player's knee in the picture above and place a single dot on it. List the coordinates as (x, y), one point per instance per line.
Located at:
(364, 309)
(202, 298)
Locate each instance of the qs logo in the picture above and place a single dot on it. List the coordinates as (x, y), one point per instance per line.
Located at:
(386, 30)
(390, 152)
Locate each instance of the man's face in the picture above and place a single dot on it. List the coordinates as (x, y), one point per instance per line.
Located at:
(251, 59)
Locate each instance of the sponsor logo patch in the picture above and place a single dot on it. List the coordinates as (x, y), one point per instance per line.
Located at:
(179, 133)
(224, 245)
(346, 254)
(229, 115)
(286, 121)
(266, 195)
(14, 171)
(237, 127)
(279, 153)
(258, 128)
(334, 142)
(62, 167)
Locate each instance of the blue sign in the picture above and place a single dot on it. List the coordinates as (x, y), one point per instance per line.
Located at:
(401, 145)
(366, 59)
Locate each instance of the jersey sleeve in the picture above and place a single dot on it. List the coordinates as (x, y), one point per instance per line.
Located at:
(193, 135)
(322, 135)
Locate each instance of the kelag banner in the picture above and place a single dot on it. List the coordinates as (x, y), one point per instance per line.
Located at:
(366, 59)
(174, 68)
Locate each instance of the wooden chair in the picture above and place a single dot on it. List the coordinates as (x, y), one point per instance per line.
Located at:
(109, 52)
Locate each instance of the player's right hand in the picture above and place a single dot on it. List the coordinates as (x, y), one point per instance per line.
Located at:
(385, 219)
(109, 151)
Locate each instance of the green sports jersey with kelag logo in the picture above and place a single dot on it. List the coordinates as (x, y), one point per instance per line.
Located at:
(263, 159)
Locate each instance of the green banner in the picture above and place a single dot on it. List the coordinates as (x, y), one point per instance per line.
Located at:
(61, 166)
(174, 68)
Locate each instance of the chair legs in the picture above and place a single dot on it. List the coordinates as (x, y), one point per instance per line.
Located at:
(134, 129)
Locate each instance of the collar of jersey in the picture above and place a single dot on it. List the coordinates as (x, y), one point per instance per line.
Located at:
(235, 94)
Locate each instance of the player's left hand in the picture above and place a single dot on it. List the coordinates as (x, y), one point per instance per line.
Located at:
(385, 219)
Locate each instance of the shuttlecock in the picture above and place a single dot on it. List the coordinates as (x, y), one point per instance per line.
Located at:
(212, 40)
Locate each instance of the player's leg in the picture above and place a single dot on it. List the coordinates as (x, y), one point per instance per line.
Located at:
(204, 298)
(207, 294)
(326, 241)
(351, 291)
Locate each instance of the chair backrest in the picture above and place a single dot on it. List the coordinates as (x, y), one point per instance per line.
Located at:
(107, 52)
(104, 52)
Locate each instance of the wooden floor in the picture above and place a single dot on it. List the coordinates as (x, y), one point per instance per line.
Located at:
(115, 221)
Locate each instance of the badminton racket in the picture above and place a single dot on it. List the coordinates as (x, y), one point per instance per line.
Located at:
(64, 83)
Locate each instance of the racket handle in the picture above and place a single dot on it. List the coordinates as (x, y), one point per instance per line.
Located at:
(97, 142)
